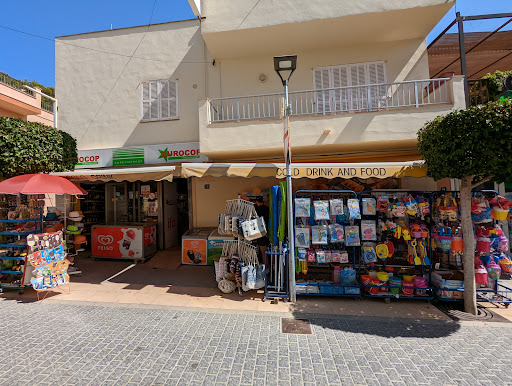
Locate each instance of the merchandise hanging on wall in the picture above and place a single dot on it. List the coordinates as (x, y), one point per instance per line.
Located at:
(396, 257)
(492, 250)
(327, 241)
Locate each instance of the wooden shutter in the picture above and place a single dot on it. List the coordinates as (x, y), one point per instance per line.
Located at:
(168, 100)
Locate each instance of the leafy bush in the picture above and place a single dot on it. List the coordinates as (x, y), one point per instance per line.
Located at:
(31, 147)
(495, 82)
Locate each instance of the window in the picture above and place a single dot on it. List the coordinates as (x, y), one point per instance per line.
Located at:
(341, 92)
(159, 100)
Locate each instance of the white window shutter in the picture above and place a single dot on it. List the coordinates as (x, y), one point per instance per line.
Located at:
(153, 96)
(146, 102)
(321, 80)
(340, 93)
(376, 75)
(168, 100)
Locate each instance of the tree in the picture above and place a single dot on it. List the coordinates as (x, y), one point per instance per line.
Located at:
(475, 146)
(31, 147)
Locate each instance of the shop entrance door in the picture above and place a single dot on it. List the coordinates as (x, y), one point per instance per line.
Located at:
(170, 214)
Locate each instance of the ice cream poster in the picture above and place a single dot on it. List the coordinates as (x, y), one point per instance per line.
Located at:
(47, 257)
(118, 242)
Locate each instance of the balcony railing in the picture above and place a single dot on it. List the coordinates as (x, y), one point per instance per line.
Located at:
(15, 83)
(330, 101)
(46, 104)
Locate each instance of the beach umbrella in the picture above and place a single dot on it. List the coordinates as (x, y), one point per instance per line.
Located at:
(39, 184)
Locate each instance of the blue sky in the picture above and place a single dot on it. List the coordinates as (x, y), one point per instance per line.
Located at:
(29, 57)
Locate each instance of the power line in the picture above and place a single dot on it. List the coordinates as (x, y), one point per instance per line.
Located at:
(120, 74)
(95, 49)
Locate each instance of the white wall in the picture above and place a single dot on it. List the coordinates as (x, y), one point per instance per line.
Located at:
(99, 93)
(225, 15)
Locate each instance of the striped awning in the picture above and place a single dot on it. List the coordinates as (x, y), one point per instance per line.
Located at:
(309, 170)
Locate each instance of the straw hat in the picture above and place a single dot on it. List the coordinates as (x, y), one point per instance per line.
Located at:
(75, 216)
(58, 227)
(50, 230)
(80, 239)
(72, 230)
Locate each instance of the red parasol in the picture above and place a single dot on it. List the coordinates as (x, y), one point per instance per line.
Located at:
(39, 184)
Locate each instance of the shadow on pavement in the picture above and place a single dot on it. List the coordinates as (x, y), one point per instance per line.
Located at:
(386, 327)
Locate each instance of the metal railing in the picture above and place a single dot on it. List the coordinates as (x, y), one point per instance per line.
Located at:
(46, 104)
(15, 83)
(329, 101)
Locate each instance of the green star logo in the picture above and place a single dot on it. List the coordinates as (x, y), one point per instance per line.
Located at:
(164, 154)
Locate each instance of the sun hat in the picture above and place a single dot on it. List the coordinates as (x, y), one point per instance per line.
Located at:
(50, 230)
(72, 230)
(58, 227)
(80, 239)
(75, 216)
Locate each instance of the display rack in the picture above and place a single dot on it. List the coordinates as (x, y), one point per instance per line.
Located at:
(93, 206)
(272, 288)
(17, 278)
(402, 263)
(447, 259)
(318, 278)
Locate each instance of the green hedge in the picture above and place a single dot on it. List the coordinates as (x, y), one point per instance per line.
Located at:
(30, 147)
(495, 82)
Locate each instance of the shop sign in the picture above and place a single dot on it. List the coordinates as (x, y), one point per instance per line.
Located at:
(342, 172)
(140, 155)
(145, 189)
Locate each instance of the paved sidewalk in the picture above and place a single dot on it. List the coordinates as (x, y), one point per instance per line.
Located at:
(163, 281)
(52, 343)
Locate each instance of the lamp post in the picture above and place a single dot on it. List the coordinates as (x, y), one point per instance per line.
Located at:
(55, 106)
(288, 64)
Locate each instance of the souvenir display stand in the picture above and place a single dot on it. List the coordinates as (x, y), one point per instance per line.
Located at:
(277, 286)
(15, 271)
(327, 243)
(492, 261)
(238, 267)
(396, 258)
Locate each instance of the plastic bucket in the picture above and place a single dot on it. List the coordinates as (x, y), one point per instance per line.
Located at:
(374, 290)
(420, 282)
(383, 280)
(500, 214)
(394, 285)
(406, 291)
(481, 275)
(457, 244)
(366, 279)
(408, 278)
(483, 244)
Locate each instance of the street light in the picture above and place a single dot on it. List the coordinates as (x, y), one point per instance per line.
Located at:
(284, 64)
(55, 106)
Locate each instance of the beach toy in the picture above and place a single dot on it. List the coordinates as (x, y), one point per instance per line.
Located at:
(420, 282)
(499, 214)
(336, 275)
(407, 289)
(481, 275)
(456, 244)
(416, 231)
(483, 244)
(493, 270)
(382, 251)
(383, 280)
(394, 285)
(408, 278)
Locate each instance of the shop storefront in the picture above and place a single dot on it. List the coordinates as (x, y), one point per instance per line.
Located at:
(377, 230)
(133, 209)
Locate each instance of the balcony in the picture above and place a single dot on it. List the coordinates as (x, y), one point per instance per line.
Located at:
(331, 101)
(18, 101)
(327, 121)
